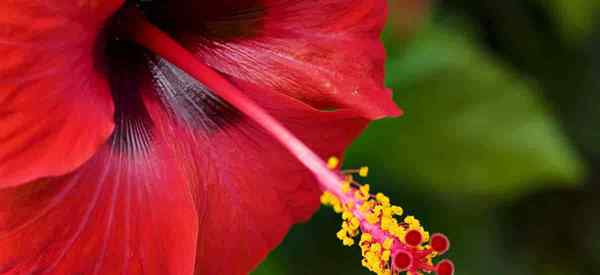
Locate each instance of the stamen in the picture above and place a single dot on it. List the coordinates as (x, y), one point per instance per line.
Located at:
(362, 172)
(388, 246)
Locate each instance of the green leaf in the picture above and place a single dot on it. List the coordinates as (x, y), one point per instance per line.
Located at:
(272, 265)
(471, 126)
(576, 18)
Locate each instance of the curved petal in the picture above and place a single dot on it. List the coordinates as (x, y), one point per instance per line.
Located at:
(262, 190)
(249, 189)
(122, 212)
(55, 105)
(325, 53)
(186, 183)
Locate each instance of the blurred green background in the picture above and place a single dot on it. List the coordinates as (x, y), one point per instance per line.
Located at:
(500, 144)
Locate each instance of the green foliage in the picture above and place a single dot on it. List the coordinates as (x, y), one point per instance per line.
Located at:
(471, 125)
(576, 18)
(272, 265)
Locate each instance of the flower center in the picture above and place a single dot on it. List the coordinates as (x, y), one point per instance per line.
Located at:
(135, 27)
(135, 72)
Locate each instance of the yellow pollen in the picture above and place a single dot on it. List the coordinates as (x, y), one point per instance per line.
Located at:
(376, 247)
(346, 186)
(366, 237)
(364, 190)
(333, 162)
(363, 171)
(387, 244)
(374, 218)
(386, 255)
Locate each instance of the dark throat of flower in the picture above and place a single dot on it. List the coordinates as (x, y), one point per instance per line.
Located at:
(134, 26)
(388, 246)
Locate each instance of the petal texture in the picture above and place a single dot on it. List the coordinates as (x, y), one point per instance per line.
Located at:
(249, 189)
(326, 53)
(267, 189)
(55, 105)
(120, 213)
(186, 185)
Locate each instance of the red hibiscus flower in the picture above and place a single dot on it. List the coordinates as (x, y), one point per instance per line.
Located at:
(175, 137)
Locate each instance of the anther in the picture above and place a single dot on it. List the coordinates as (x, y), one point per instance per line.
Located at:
(333, 162)
(363, 171)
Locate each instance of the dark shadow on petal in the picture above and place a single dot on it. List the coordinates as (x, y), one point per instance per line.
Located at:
(214, 20)
(133, 131)
(135, 73)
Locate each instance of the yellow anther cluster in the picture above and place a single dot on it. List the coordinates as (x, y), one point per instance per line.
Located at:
(377, 210)
(375, 216)
(350, 225)
(376, 254)
(333, 201)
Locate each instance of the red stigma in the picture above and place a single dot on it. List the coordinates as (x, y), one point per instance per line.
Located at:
(445, 267)
(402, 260)
(413, 238)
(440, 243)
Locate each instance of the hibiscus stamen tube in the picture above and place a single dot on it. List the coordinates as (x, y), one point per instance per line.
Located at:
(388, 246)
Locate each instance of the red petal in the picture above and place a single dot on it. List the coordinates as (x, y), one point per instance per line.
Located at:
(129, 210)
(56, 108)
(271, 189)
(117, 214)
(326, 53)
(250, 188)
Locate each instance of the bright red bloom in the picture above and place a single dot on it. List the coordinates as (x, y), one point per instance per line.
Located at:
(125, 152)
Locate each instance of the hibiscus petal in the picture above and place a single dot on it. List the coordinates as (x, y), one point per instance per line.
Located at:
(185, 183)
(49, 100)
(249, 188)
(325, 53)
(122, 212)
(261, 189)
